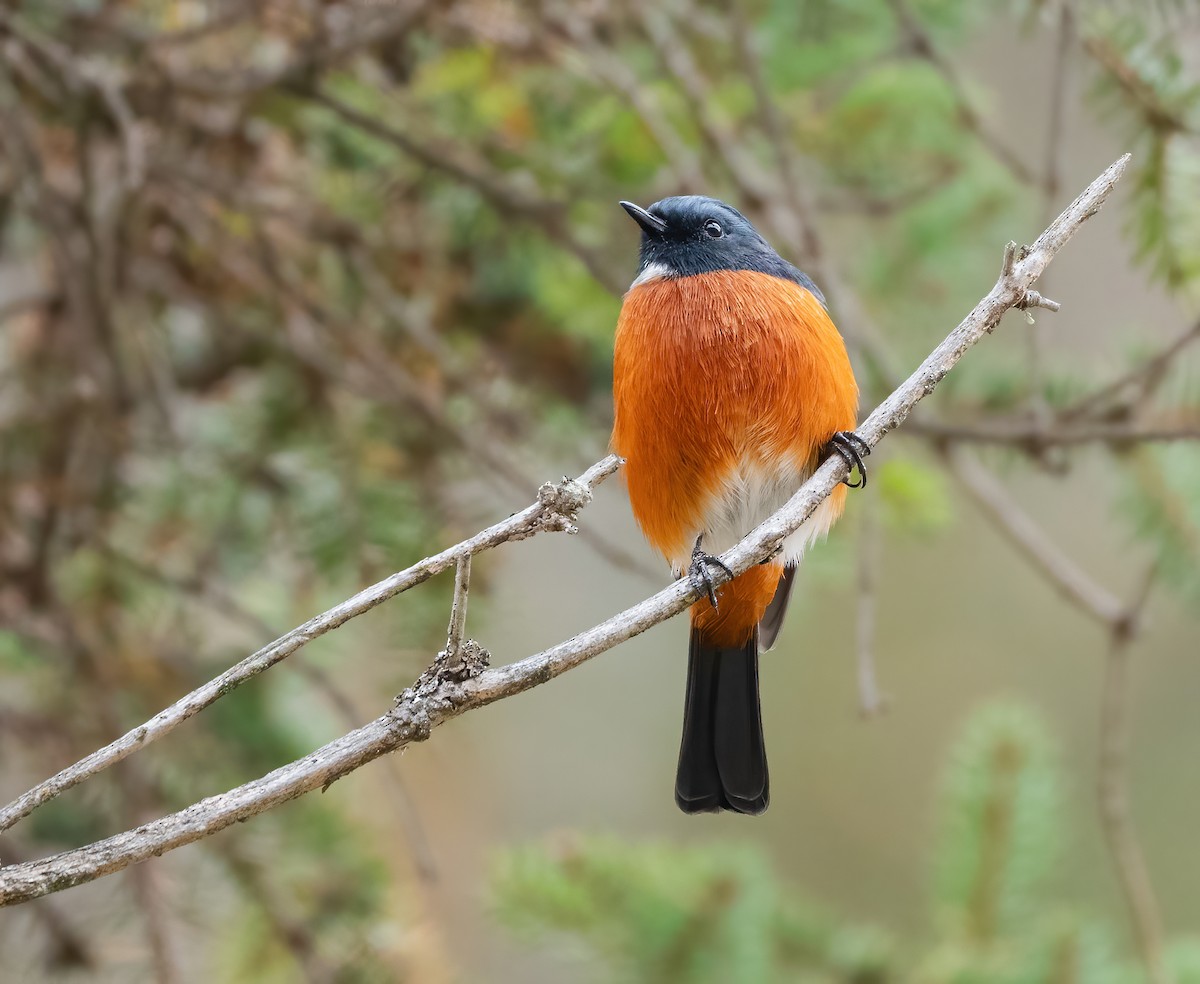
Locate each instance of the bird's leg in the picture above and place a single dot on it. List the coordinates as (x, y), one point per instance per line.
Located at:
(851, 449)
(699, 573)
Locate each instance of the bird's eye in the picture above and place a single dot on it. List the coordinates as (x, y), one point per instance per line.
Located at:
(713, 228)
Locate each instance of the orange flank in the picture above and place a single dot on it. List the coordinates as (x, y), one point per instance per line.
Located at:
(727, 385)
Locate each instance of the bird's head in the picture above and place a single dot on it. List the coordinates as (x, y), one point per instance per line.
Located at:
(691, 234)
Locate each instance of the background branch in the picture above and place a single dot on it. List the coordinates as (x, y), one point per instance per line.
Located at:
(1113, 793)
(1071, 581)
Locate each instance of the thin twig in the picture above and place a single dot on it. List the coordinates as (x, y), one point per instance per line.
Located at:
(453, 160)
(794, 189)
(152, 905)
(1113, 794)
(1158, 114)
(1060, 571)
(1051, 180)
(1145, 376)
(1009, 259)
(382, 23)
(1031, 436)
(416, 326)
(386, 378)
(676, 59)
(1056, 124)
(458, 613)
(90, 75)
(296, 935)
(923, 45)
(436, 697)
(583, 51)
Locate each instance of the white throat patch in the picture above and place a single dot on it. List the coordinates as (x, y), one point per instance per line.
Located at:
(653, 271)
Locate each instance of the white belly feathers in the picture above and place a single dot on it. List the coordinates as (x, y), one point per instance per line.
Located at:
(753, 493)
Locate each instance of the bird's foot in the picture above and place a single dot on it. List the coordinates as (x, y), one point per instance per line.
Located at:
(699, 574)
(851, 449)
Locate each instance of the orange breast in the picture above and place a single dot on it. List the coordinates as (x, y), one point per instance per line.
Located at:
(717, 372)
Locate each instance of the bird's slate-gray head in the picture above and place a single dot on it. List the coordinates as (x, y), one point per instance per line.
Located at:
(688, 235)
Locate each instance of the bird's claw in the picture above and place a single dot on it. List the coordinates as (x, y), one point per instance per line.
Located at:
(851, 449)
(700, 575)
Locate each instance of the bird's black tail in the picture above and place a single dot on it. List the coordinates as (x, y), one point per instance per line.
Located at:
(722, 759)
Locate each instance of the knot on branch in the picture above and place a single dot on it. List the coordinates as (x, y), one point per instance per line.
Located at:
(411, 716)
(1033, 299)
(561, 504)
(472, 659)
(1126, 626)
(447, 669)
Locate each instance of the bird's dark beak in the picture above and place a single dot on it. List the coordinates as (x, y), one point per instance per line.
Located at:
(652, 225)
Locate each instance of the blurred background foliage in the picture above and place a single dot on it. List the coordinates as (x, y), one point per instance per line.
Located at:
(293, 292)
(667, 913)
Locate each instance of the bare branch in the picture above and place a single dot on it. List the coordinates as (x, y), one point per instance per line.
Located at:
(722, 141)
(1071, 581)
(582, 52)
(1145, 377)
(294, 934)
(555, 509)
(1113, 795)
(794, 189)
(968, 115)
(458, 613)
(1051, 179)
(386, 22)
(437, 696)
(1034, 437)
(386, 379)
(150, 902)
(1055, 128)
(86, 74)
(1157, 112)
(440, 156)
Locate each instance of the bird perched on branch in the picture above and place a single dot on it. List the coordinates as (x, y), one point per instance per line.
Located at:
(730, 384)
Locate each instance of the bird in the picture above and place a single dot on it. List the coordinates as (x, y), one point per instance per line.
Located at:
(731, 384)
